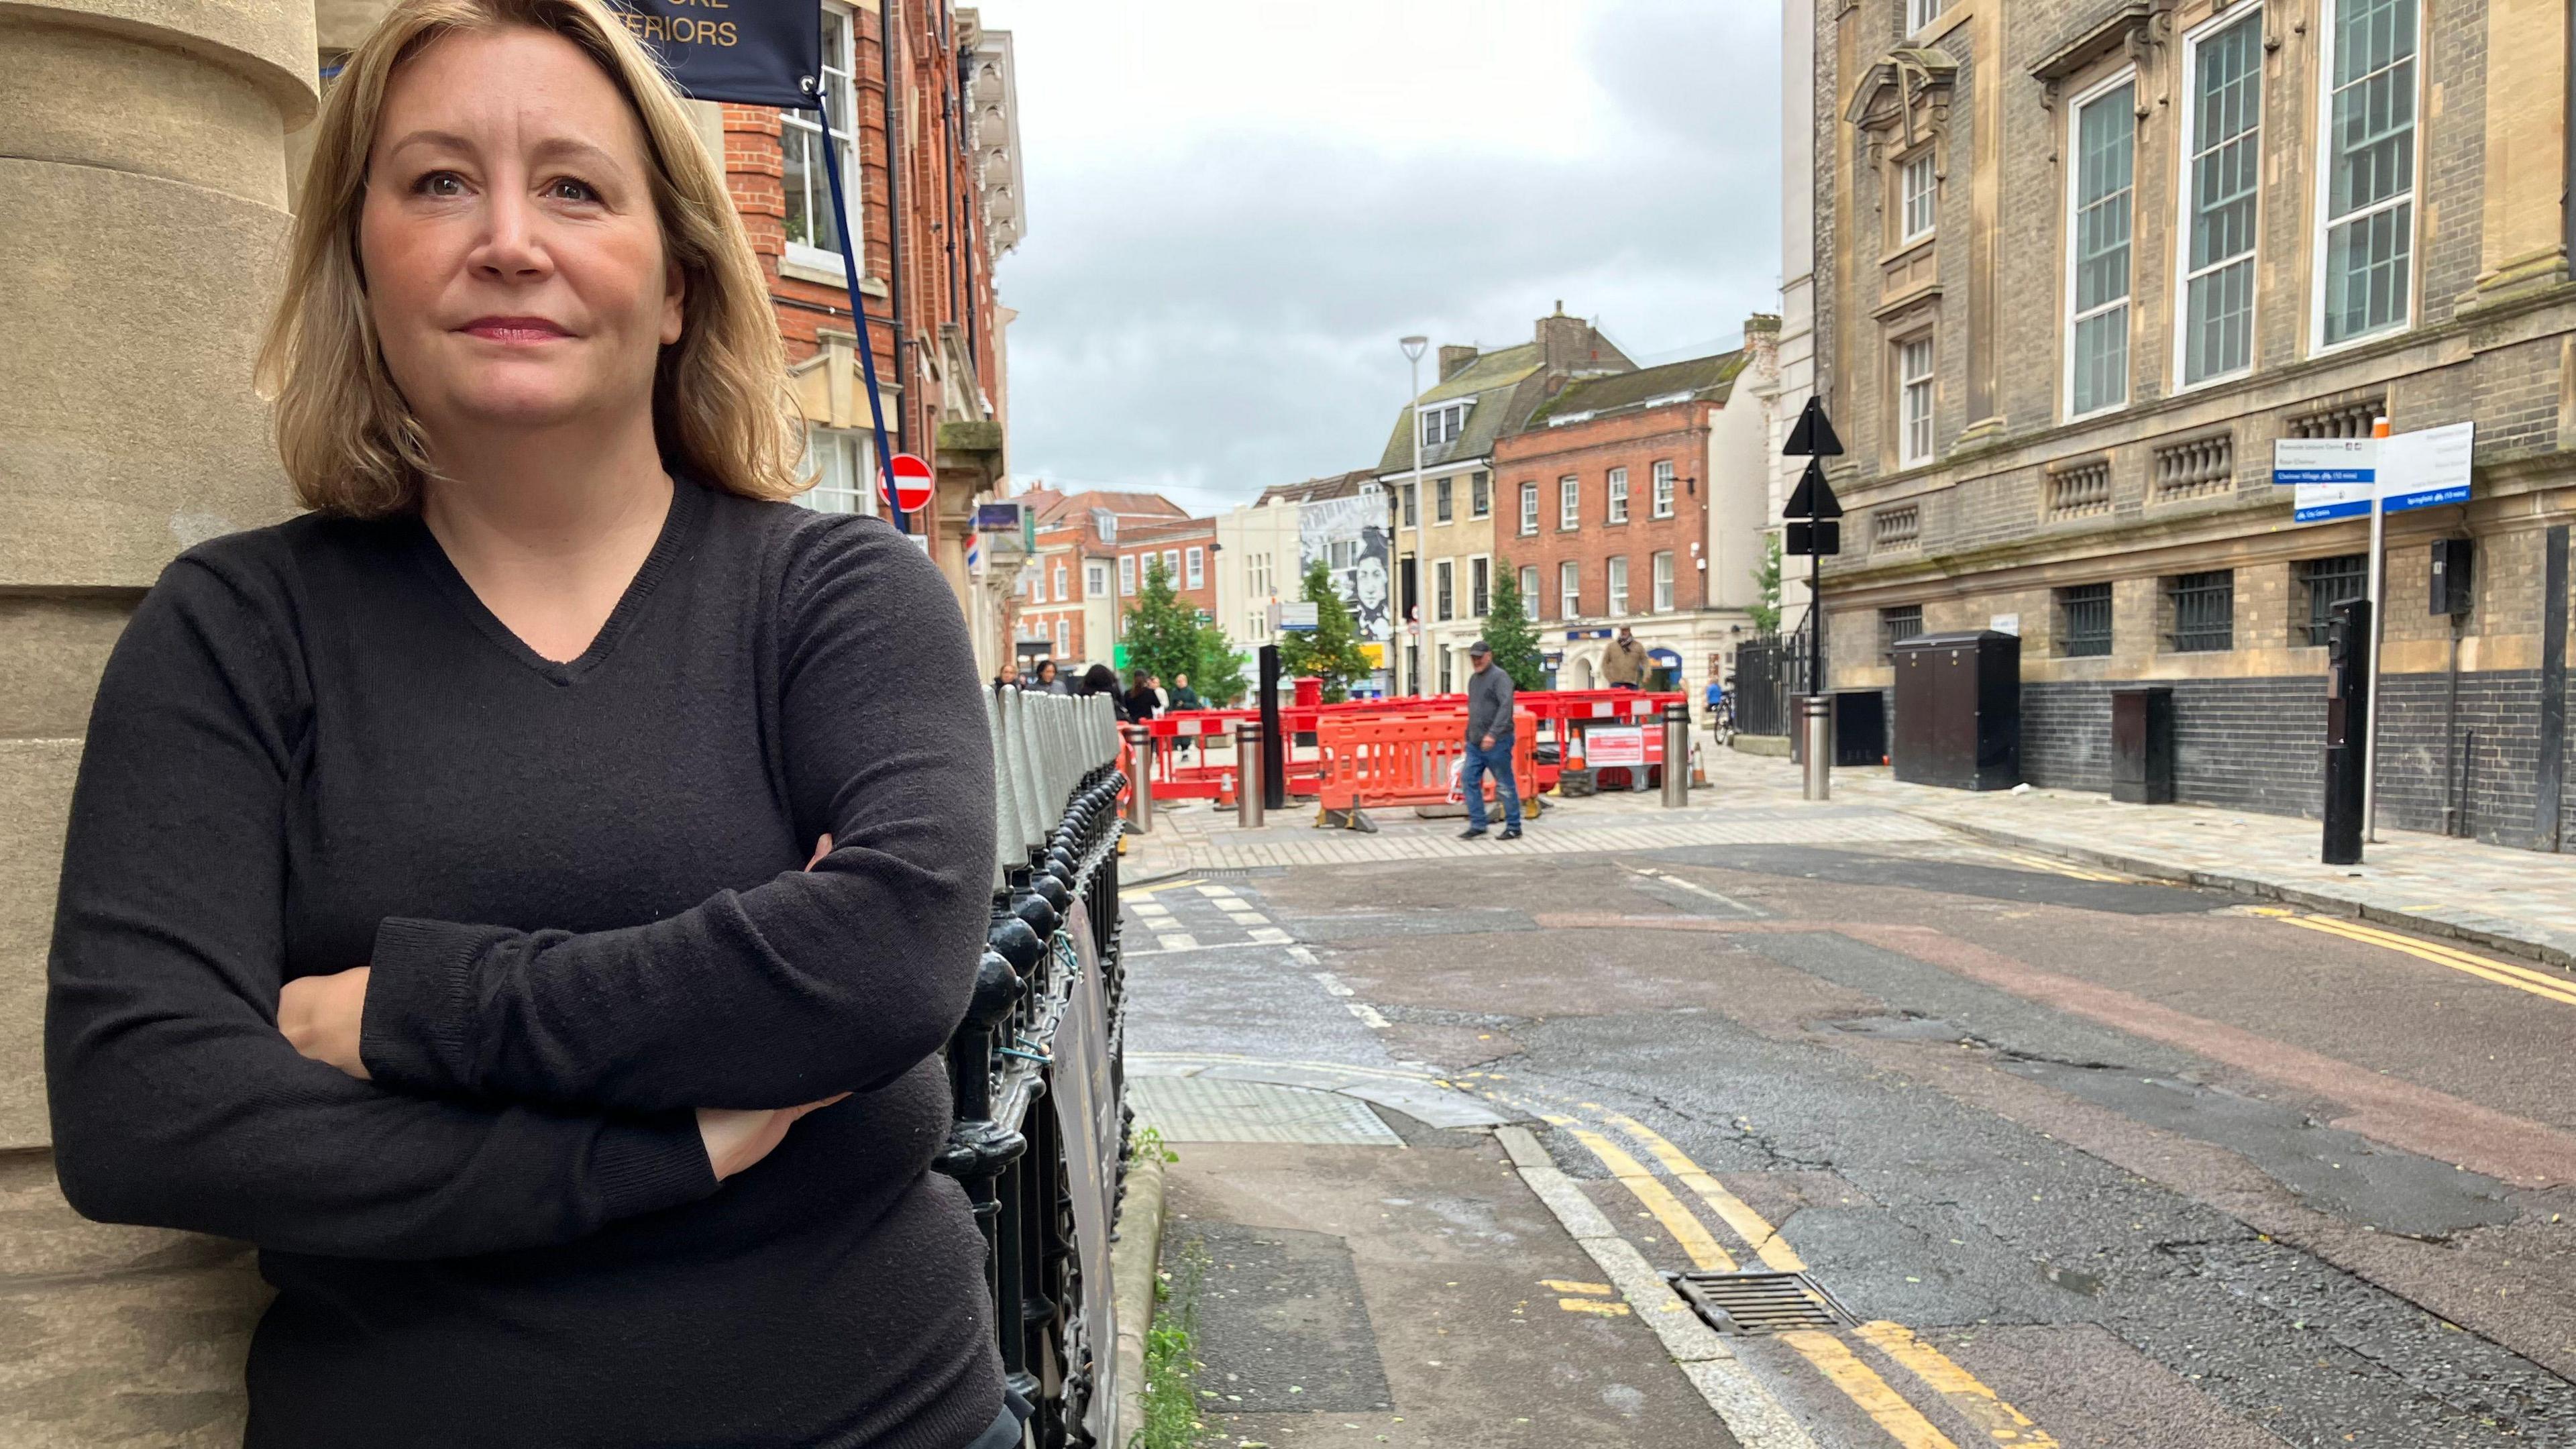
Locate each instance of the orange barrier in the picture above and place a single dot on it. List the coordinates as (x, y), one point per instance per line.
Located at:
(1410, 759)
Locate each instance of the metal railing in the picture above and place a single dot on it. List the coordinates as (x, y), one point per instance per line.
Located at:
(1040, 1129)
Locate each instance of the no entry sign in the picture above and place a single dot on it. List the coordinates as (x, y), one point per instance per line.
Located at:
(911, 483)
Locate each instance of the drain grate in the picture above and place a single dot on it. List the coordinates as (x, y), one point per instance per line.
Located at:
(1750, 1303)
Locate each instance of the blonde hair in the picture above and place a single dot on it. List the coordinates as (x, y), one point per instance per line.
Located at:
(351, 444)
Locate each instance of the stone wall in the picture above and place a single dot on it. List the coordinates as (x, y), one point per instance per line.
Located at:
(143, 162)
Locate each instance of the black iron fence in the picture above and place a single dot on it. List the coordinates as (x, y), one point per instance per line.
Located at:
(1769, 672)
(1041, 1120)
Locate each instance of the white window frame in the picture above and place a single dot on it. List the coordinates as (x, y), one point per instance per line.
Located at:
(1127, 575)
(1569, 589)
(1618, 490)
(1480, 579)
(1062, 630)
(1529, 510)
(1063, 575)
(1037, 585)
(2125, 304)
(1908, 455)
(1928, 169)
(843, 463)
(1569, 503)
(1172, 566)
(1919, 14)
(2322, 237)
(1443, 423)
(1444, 590)
(1618, 591)
(1663, 494)
(1663, 581)
(2185, 193)
(1480, 494)
(1095, 580)
(1194, 560)
(1529, 590)
(843, 94)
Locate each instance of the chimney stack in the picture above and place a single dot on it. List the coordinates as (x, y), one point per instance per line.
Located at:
(1454, 359)
(1564, 343)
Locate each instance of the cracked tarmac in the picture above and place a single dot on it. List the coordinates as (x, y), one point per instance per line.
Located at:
(2136, 1229)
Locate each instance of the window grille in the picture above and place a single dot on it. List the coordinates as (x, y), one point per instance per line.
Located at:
(2330, 581)
(1896, 527)
(1440, 500)
(1479, 587)
(1529, 591)
(2204, 611)
(1569, 589)
(1445, 594)
(1897, 625)
(1919, 13)
(2084, 621)
(813, 234)
(1412, 516)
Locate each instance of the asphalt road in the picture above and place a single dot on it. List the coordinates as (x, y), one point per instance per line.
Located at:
(2146, 1165)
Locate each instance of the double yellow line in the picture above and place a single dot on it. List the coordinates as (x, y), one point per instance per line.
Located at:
(2542, 984)
(1826, 1352)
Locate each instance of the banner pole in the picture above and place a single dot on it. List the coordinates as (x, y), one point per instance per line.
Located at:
(859, 313)
(2378, 629)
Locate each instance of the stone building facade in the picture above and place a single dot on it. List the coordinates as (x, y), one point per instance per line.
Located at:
(2078, 265)
(1640, 499)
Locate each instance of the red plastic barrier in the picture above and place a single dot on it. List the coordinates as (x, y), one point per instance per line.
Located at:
(1409, 759)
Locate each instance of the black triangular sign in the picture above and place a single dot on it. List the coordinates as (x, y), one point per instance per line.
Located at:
(1813, 497)
(1813, 437)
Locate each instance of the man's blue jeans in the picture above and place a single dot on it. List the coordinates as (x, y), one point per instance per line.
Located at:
(1472, 782)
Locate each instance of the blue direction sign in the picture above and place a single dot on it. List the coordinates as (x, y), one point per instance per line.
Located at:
(2334, 477)
(2426, 469)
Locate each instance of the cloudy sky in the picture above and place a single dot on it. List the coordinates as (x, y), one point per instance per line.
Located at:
(1236, 207)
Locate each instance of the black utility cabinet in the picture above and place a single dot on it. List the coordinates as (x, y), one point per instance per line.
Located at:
(2142, 744)
(1860, 727)
(1958, 710)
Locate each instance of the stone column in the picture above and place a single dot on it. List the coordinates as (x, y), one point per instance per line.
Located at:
(2523, 226)
(143, 202)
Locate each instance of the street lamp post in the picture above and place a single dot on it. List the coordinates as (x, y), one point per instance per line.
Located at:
(1413, 348)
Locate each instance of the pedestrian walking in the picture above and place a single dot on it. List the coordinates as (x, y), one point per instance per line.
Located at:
(1489, 744)
(450, 756)
(1624, 663)
(1184, 697)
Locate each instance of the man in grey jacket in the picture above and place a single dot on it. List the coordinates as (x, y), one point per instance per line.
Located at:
(1489, 744)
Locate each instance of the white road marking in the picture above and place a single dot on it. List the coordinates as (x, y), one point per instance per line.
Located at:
(1270, 936)
(1332, 983)
(1217, 892)
(1301, 955)
(1177, 941)
(1368, 1014)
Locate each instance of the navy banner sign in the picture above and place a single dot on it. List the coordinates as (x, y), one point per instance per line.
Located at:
(750, 52)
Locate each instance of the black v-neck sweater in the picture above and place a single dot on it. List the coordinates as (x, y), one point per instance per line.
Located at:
(581, 889)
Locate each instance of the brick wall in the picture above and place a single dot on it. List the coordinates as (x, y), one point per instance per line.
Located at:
(1677, 434)
(2259, 744)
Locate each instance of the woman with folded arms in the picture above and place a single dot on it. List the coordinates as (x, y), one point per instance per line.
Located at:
(527, 894)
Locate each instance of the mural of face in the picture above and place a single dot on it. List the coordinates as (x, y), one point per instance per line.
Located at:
(1371, 583)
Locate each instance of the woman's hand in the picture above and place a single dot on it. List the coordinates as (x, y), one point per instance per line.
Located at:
(320, 1017)
(736, 1139)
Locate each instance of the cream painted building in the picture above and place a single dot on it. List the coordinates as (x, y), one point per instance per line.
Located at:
(1257, 549)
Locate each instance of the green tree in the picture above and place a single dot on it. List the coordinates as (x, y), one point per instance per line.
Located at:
(1332, 653)
(1512, 636)
(1218, 676)
(1162, 630)
(1766, 612)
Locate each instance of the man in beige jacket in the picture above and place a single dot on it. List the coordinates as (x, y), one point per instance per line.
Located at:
(1623, 664)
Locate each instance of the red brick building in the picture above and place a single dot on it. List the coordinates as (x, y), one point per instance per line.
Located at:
(930, 215)
(1064, 603)
(1187, 551)
(1638, 499)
